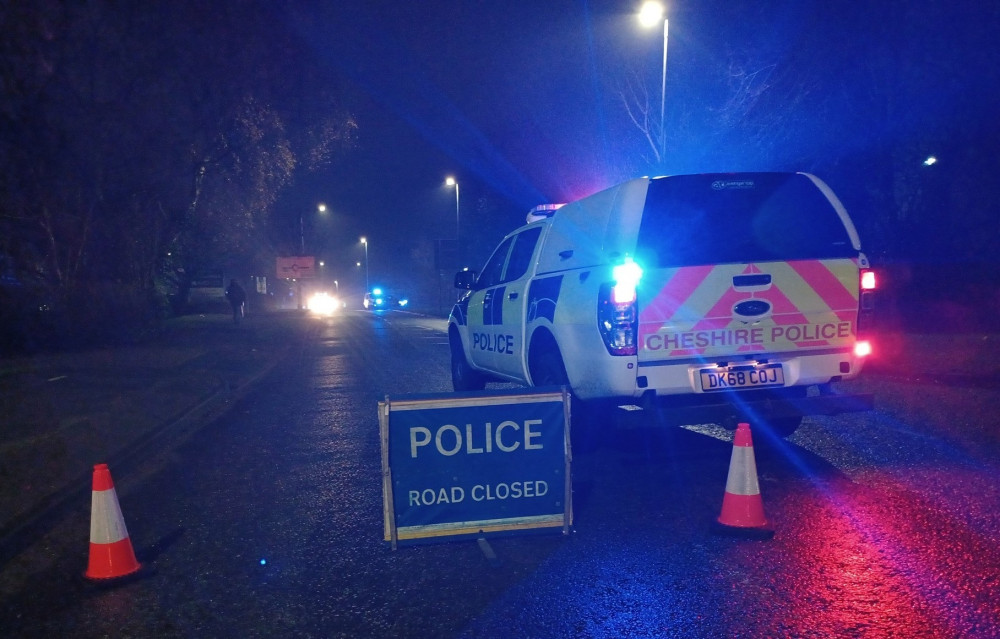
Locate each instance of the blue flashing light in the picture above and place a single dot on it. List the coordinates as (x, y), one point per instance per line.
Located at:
(376, 291)
(263, 562)
(627, 276)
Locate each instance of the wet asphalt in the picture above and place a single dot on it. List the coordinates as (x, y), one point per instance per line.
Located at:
(268, 522)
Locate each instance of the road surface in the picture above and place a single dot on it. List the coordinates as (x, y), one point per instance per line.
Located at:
(268, 522)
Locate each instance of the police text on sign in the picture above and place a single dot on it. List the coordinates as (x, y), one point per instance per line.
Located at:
(448, 439)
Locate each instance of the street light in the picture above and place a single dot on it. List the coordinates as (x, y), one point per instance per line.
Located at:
(450, 181)
(649, 16)
(365, 242)
(302, 246)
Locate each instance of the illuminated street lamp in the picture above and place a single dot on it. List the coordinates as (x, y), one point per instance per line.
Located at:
(450, 181)
(649, 16)
(365, 242)
(302, 246)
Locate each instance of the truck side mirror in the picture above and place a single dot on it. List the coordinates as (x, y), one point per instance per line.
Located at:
(465, 279)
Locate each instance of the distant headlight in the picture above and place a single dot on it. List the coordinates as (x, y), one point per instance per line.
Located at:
(322, 304)
(404, 302)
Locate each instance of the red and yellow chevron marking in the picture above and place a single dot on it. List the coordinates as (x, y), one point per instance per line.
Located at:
(814, 303)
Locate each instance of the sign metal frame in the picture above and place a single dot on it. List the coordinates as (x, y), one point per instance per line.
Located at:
(446, 524)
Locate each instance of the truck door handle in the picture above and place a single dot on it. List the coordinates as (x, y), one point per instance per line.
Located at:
(512, 296)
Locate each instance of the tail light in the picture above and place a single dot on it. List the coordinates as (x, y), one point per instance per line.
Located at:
(617, 309)
(866, 310)
(862, 348)
(867, 279)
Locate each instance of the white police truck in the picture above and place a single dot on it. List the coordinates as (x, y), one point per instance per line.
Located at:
(701, 298)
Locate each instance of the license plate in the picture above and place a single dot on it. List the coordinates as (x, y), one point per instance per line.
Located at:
(720, 379)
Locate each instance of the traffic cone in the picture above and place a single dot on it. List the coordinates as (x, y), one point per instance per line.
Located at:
(111, 553)
(742, 507)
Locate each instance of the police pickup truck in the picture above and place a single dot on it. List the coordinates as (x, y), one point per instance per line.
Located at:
(702, 298)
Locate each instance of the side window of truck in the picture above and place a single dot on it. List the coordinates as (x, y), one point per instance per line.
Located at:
(520, 255)
(493, 271)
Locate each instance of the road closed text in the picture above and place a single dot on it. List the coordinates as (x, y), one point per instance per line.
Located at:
(506, 437)
(479, 492)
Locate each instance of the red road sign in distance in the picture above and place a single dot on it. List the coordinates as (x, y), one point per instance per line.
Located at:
(297, 268)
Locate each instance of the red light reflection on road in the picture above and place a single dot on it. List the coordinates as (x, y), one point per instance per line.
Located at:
(881, 558)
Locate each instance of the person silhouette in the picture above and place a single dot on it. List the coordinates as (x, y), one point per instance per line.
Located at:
(237, 299)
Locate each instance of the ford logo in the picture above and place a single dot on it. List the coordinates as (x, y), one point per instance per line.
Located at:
(752, 308)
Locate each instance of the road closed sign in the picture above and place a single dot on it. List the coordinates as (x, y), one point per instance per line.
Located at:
(475, 465)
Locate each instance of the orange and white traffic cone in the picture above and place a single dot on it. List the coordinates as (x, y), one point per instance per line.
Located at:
(111, 553)
(742, 506)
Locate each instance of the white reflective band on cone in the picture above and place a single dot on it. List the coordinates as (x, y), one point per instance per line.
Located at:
(745, 482)
(106, 522)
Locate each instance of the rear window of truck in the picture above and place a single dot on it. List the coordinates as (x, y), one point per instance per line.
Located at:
(715, 219)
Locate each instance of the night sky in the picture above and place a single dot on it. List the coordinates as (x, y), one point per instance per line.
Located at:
(521, 101)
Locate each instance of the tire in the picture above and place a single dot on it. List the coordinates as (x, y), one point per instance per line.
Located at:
(463, 376)
(780, 426)
(547, 369)
(784, 426)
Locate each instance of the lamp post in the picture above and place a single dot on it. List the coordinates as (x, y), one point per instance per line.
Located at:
(302, 228)
(302, 246)
(450, 181)
(650, 15)
(365, 242)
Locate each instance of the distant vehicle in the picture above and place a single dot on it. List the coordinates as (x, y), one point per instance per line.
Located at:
(322, 303)
(378, 299)
(719, 297)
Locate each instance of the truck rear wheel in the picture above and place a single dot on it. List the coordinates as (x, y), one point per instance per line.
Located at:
(784, 426)
(463, 376)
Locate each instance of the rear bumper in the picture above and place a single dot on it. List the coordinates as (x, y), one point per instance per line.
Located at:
(731, 408)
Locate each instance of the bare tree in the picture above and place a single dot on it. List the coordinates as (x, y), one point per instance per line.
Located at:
(642, 113)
